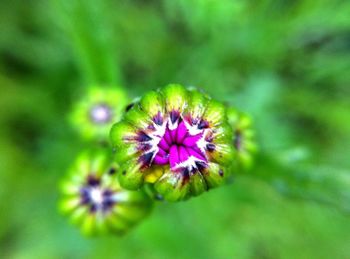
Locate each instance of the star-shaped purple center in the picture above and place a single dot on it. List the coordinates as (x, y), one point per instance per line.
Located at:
(181, 143)
(177, 147)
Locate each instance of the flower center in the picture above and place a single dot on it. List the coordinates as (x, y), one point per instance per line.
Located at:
(178, 148)
(95, 196)
(181, 143)
(101, 113)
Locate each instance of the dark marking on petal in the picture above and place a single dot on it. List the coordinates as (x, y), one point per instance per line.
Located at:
(107, 193)
(185, 176)
(203, 125)
(146, 159)
(107, 204)
(143, 137)
(210, 147)
(174, 116)
(194, 121)
(209, 137)
(144, 147)
(93, 180)
(93, 208)
(186, 173)
(112, 171)
(151, 127)
(84, 196)
(201, 165)
(129, 106)
(158, 119)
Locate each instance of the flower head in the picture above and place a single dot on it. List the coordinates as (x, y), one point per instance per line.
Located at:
(96, 112)
(243, 137)
(176, 138)
(96, 202)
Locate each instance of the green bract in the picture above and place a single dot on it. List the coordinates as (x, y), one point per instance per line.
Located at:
(95, 113)
(176, 138)
(243, 138)
(94, 199)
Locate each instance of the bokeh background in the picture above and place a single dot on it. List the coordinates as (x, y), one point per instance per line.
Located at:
(285, 62)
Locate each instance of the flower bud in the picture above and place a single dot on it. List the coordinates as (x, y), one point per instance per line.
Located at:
(95, 113)
(176, 138)
(95, 201)
(243, 138)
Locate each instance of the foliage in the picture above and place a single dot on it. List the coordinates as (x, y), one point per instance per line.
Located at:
(284, 62)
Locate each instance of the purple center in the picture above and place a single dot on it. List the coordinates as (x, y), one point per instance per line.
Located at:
(101, 113)
(181, 143)
(96, 197)
(177, 146)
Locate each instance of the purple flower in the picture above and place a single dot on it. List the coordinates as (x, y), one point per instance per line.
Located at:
(176, 138)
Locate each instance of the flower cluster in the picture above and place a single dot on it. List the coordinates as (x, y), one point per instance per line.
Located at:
(173, 143)
(177, 138)
(94, 199)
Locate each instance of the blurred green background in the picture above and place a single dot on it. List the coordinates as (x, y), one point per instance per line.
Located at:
(287, 62)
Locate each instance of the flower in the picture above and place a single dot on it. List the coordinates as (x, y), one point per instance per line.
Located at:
(243, 138)
(95, 113)
(177, 138)
(94, 199)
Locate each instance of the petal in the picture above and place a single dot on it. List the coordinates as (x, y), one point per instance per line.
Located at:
(130, 175)
(197, 104)
(152, 104)
(161, 160)
(124, 141)
(175, 97)
(223, 134)
(132, 212)
(198, 184)
(138, 118)
(190, 141)
(181, 132)
(195, 152)
(163, 144)
(117, 224)
(173, 186)
(88, 225)
(223, 154)
(215, 113)
(183, 154)
(214, 175)
(173, 134)
(167, 137)
(161, 152)
(173, 156)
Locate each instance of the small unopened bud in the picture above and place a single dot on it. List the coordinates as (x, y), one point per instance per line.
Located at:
(94, 114)
(95, 201)
(243, 138)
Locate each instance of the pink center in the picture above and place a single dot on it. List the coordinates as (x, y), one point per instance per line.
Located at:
(177, 147)
(181, 143)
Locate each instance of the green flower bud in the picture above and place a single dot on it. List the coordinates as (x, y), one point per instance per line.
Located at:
(176, 138)
(94, 200)
(243, 138)
(95, 113)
